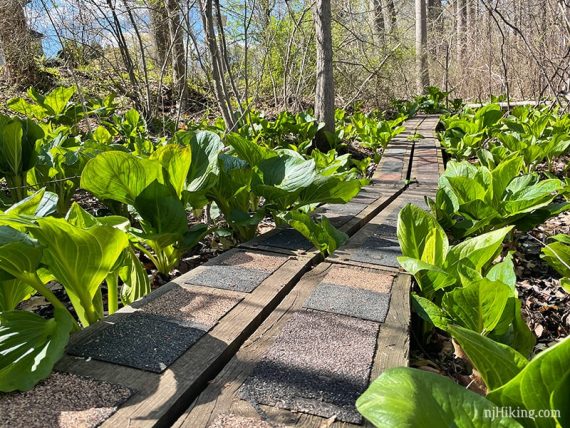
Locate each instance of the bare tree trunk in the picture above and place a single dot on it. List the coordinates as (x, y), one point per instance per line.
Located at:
(421, 46)
(17, 45)
(220, 90)
(378, 20)
(391, 15)
(176, 34)
(460, 16)
(160, 30)
(324, 92)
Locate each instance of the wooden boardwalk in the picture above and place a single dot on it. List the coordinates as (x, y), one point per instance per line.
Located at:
(235, 312)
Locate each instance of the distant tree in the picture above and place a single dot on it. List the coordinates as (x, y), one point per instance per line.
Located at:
(421, 46)
(324, 92)
(18, 45)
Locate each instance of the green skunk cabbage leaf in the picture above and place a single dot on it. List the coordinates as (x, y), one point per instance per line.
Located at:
(77, 216)
(280, 179)
(164, 216)
(478, 306)
(58, 98)
(120, 176)
(136, 283)
(532, 198)
(250, 151)
(497, 363)
(80, 259)
(559, 401)
(421, 237)
(176, 161)
(11, 148)
(504, 272)
(503, 174)
(478, 250)
(329, 189)
(430, 312)
(321, 233)
(534, 386)
(557, 255)
(29, 347)
(410, 398)
(39, 204)
(430, 278)
(18, 252)
(12, 292)
(204, 169)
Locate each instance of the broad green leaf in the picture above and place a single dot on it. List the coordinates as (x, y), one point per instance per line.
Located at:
(532, 198)
(136, 283)
(503, 174)
(80, 259)
(12, 292)
(557, 255)
(430, 312)
(29, 347)
(329, 189)
(58, 98)
(18, 252)
(163, 214)
(466, 189)
(430, 278)
(479, 250)
(176, 161)
(11, 161)
(321, 233)
(39, 204)
(120, 176)
(496, 363)
(504, 272)
(204, 169)
(479, 306)
(421, 237)
(248, 150)
(410, 398)
(532, 388)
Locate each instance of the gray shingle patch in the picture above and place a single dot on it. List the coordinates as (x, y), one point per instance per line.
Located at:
(288, 239)
(385, 230)
(319, 364)
(62, 400)
(391, 166)
(227, 277)
(143, 341)
(197, 307)
(379, 251)
(346, 209)
(350, 301)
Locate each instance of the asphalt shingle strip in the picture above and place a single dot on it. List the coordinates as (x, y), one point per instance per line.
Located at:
(319, 364)
(250, 260)
(233, 278)
(357, 277)
(143, 341)
(379, 251)
(350, 301)
(288, 239)
(62, 400)
(193, 307)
